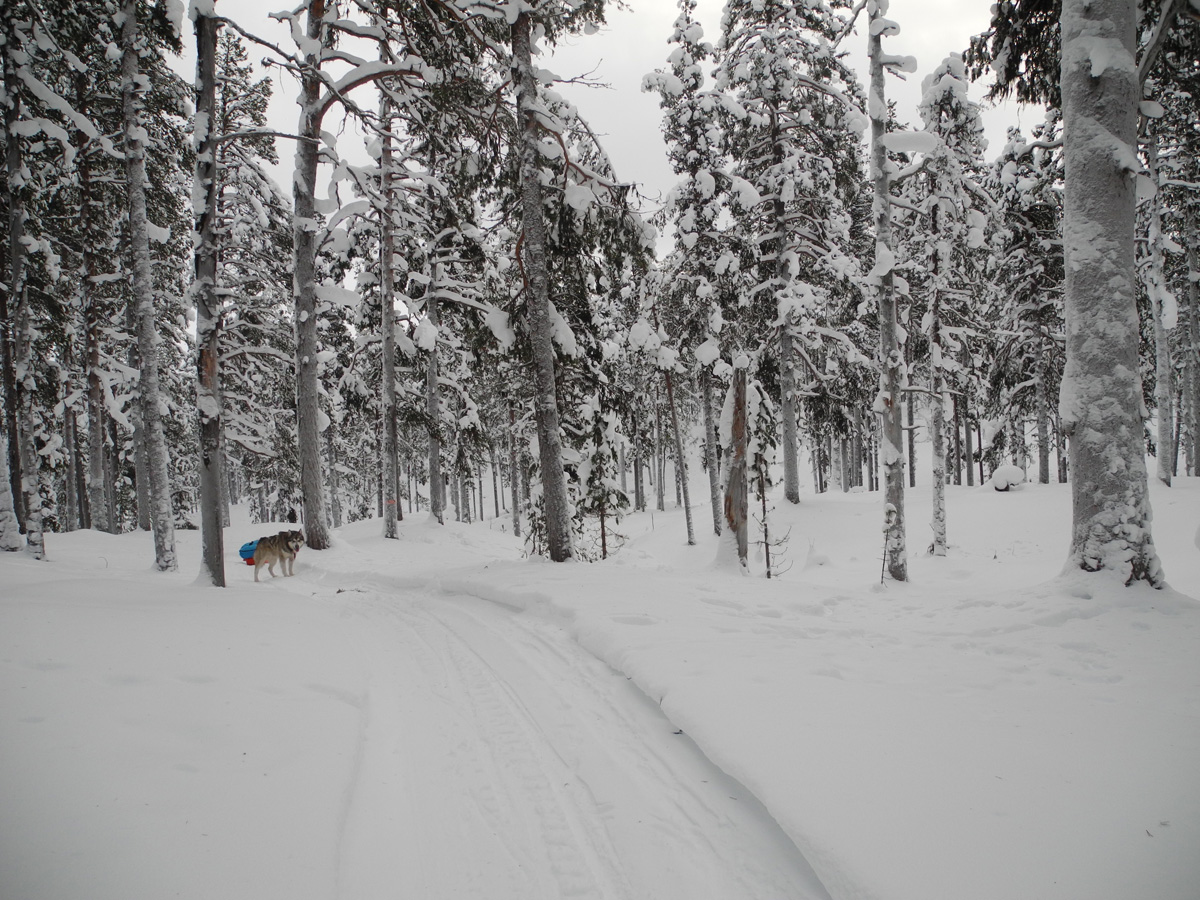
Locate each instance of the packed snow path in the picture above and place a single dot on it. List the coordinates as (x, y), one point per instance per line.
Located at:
(497, 759)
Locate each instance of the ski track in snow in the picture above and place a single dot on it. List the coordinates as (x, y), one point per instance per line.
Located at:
(571, 783)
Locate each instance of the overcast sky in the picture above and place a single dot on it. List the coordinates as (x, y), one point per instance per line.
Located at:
(635, 43)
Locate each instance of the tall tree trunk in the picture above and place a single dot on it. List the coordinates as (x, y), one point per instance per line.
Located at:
(71, 441)
(437, 497)
(554, 482)
(937, 437)
(335, 474)
(208, 376)
(660, 458)
(157, 469)
(1192, 389)
(101, 512)
(388, 327)
(1101, 399)
(22, 317)
(680, 465)
(514, 474)
(1043, 430)
(891, 359)
(304, 285)
(1164, 389)
(968, 443)
(787, 384)
(737, 494)
(10, 298)
(710, 447)
(10, 528)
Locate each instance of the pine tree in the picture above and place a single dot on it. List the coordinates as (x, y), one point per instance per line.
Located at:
(1101, 393)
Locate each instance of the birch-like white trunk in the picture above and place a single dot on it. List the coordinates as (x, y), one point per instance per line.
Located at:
(304, 286)
(1101, 396)
(554, 482)
(891, 360)
(208, 377)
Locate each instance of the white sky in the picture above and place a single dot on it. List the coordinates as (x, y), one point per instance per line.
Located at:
(635, 43)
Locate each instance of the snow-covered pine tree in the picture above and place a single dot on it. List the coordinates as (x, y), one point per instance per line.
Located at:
(951, 225)
(690, 127)
(1026, 276)
(797, 111)
(204, 288)
(892, 374)
(150, 401)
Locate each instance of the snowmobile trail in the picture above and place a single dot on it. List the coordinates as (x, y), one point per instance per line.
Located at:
(566, 782)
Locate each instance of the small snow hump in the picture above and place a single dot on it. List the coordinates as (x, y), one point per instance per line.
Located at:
(1007, 477)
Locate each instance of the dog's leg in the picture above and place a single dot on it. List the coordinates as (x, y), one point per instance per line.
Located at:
(257, 566)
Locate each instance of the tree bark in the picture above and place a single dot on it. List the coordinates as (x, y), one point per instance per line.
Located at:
(554, 482)
(680, 465)
(737, 494)
(208, 377)
(513, 471)
(891, 360)
(22, 319)
(1101, 396)
(437, 497)
(388, 327)
(787, 375)
(304, 286)
(1164, 388)
(157, 469)
(710, 448)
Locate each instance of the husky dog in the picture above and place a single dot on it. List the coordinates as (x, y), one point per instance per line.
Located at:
(278, 548)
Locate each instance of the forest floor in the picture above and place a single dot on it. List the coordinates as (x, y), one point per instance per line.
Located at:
(440, 717)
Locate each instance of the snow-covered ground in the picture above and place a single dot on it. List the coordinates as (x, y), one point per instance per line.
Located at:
(438, 717)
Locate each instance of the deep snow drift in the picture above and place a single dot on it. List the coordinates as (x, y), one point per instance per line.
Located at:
(438, 717)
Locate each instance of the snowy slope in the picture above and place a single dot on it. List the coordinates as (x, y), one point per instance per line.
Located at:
(438, 717)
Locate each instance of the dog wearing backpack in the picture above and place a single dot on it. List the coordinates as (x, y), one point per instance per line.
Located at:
(275, 548)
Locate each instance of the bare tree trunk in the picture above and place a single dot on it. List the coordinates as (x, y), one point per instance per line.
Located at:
(1043, 430)
(157, 469)
(710, 448)
(737, 495)
(304, 285)
(22, 318)
(71, 521)
(387, 326)
(1101, 399)
(11, 297)
(10, 528)
(660, 458)
(437, 497)
(513, 472)
(937, 427)
(208, 377)
(968, 444)
(554, 482)
(1164, 389)
(680, 466)
(1192, 382)
(891, 359)
(787, 377)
